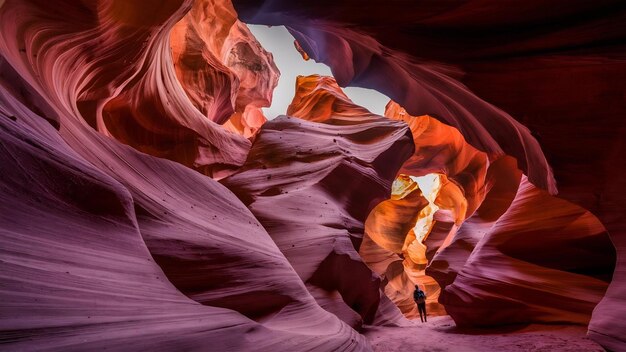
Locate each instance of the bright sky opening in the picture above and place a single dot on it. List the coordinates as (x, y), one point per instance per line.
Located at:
(279, 42)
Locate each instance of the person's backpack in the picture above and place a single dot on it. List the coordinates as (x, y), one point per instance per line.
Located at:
(419, 296)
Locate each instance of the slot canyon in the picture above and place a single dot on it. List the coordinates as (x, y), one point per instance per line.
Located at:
(277, 175)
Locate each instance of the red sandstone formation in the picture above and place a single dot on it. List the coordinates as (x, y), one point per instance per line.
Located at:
(246, 123)
(294, 182)
(442, 149)
(77, 273)
(502, 179)
(105, 244)
(537, 286)
(221, 66)
(439, 149)
(486, 69)
(126, 85)
(470, 263)
(101, 243)
(392, 249)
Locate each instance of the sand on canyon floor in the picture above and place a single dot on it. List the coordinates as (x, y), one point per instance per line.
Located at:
(440, 334)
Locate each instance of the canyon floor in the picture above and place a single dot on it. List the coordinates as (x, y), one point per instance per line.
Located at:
(440, 334)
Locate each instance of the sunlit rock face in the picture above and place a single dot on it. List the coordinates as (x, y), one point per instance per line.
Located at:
(246, 123)
(421, 86)
(442, 149)
(487, 70)
(502, 179)
(113, 65)
(153, 112)
(402, 226)
(502, 210)
(395, 233)
(312, 179)
(221, 66)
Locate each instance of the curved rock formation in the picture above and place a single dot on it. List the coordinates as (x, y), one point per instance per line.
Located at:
(77, 272)
(294, 182)
(221, 66)
(442, 149)
(83, 215)
(358, 59)
(393, 224)
(557, 68)
(105, 244)
(512, 274)
(126, 85)
(502, 179)
(246, 123)
(390, 221)
(558, 257)
(503, 211)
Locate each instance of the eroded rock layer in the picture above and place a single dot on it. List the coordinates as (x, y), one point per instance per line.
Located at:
(116, 65)
(313, 183)
(513, 275)
(77, 272)
(402, 225)
(105, 244)
(221, 66)
(556, 68)
(106, 247)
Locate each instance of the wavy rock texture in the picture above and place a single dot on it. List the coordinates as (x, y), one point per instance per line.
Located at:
(246, 123)
(502, 179)
(497, 268)
(442, 149)
(359, 59)
(222, 67)
(113, 66)
(61, 294)
(78, 275)
(513, 275)
(101, 243)
(486, 69)
(392, 249)
(439, 149)
(294, 182)
(80, 291)
(105, 247)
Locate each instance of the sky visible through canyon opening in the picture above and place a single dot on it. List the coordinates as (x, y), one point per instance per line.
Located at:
(279, 42)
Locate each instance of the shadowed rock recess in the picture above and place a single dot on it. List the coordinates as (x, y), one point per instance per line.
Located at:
(146, 203)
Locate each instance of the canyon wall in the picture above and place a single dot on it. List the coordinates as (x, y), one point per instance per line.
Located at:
(312, 179)
(117, 119)
(104, 246)
(506, 78)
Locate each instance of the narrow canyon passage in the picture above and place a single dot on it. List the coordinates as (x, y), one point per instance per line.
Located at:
(256, 175)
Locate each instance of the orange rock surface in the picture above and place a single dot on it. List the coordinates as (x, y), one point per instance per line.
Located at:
(221, 66)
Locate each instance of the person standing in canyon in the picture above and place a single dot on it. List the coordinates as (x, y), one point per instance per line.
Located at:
(420, 298)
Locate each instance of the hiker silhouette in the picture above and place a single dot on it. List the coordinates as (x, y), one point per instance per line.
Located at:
(420, 298)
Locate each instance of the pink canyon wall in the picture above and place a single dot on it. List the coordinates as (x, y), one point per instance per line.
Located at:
(117, 119)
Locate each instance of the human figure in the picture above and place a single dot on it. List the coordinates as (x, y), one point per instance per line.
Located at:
(420, 298)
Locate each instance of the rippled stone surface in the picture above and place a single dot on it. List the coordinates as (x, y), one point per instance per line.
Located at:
(117, 117)
(311, 179)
